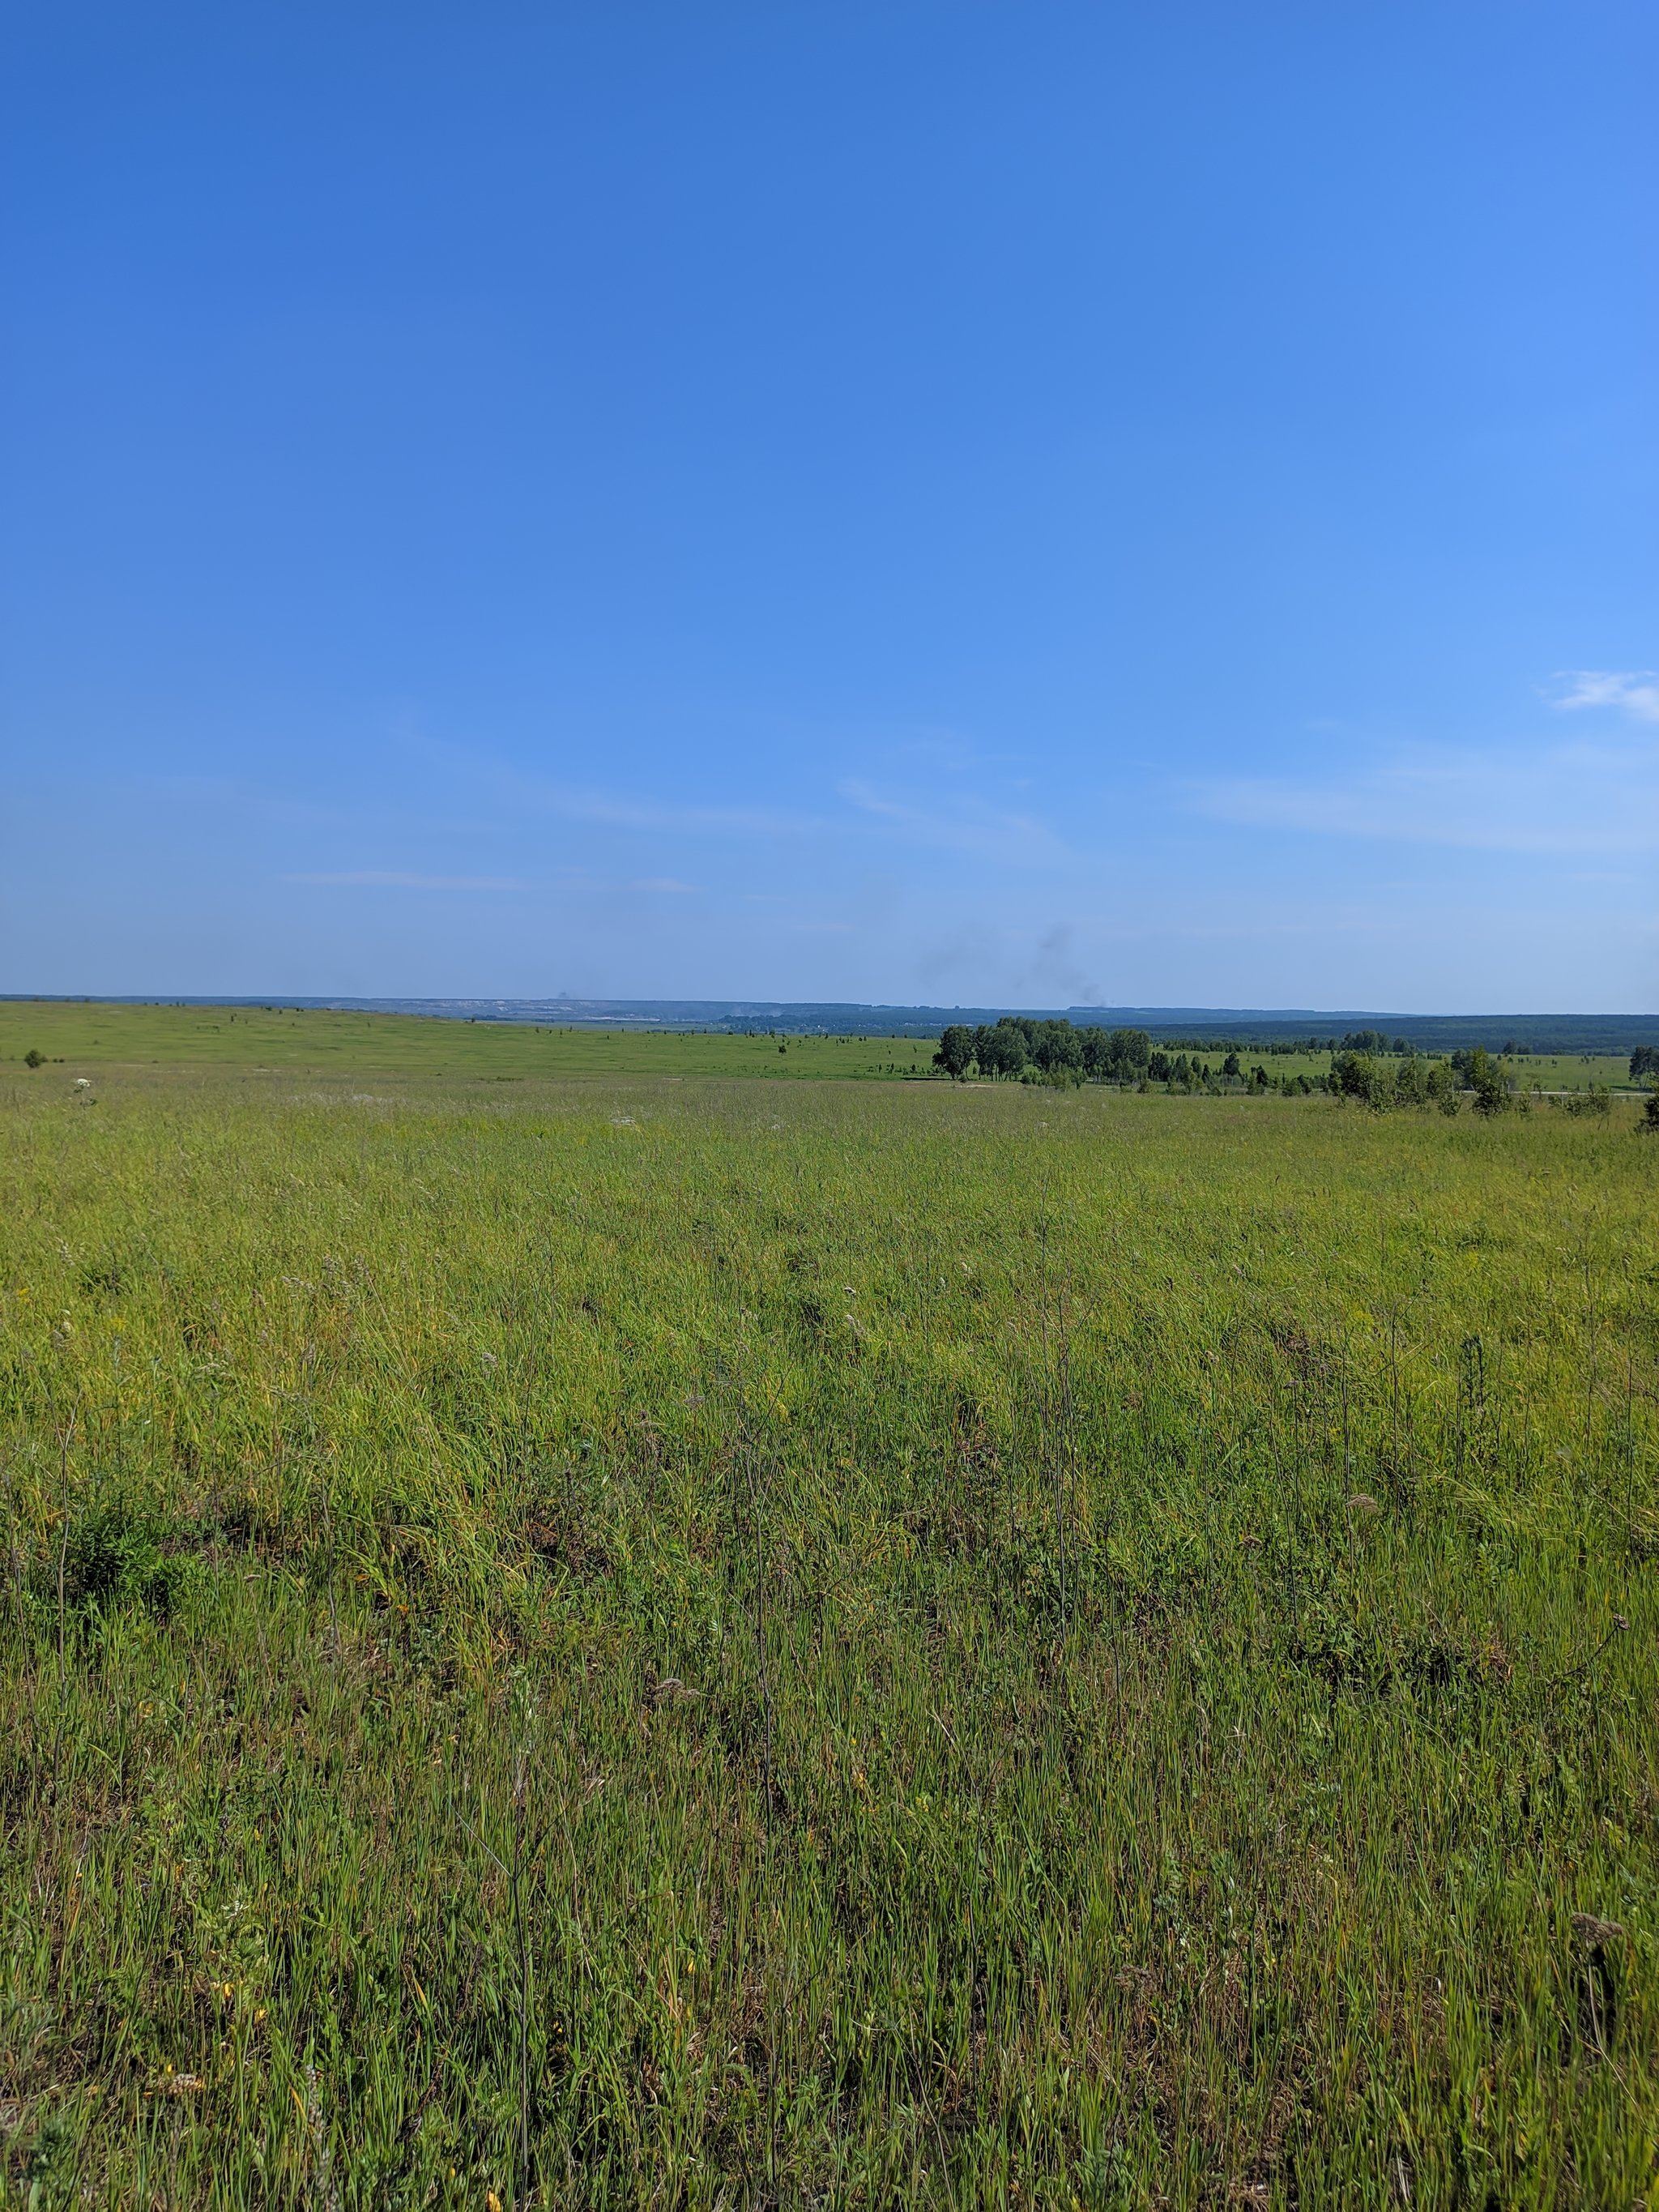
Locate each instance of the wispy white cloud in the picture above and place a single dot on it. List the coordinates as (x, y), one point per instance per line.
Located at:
(968, 826)
(566, 879)
(1636, 691)
(623, 810)
(1580, 799)
(397, 879)
(942, 817)
(526, 791)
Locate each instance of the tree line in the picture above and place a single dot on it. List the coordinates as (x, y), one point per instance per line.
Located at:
(1487, 1081)
(1366, 1067)
(1017, 1047)
(1022, 1049)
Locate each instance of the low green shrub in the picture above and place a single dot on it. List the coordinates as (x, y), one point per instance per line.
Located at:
(120, 1555)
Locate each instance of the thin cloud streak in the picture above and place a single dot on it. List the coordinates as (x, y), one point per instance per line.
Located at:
(1014, 838)
(1581, 800)
(671, 817)
(970, 826)
(1636, 691)
(397, 879)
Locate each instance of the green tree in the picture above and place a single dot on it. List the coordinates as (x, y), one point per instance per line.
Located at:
(1487, 1081)
(1440, 1087)
(1131, 1049)
(956, 1051)
(1096, 1052)
(33, 1058)
(1002, 1050)
(1354, 1075)
(1411, 1079)
(1057, 1048)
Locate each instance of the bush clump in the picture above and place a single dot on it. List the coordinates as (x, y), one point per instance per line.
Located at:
(119, 1555)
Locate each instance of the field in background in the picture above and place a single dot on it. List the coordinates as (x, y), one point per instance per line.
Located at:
(1579, 1071)
(292, 1040)
(666, 1641)
(86, 1039)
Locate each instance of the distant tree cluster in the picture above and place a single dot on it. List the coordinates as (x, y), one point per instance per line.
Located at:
(1288, 1086)
(1488, 1078)
(1183, 1073)
(1018, 1049)
(1372, 1040)
(1409, 1080)
(1367, 1066)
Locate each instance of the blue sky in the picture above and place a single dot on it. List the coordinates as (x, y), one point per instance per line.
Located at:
(1017, 504)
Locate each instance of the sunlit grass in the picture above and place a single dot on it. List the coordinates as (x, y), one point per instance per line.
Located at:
(1008, 1647)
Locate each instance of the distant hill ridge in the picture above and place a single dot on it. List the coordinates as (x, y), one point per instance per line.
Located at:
(1202, 1025)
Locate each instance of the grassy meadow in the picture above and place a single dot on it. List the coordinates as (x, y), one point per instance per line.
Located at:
(287, 1041)
(1574, 1071)
(637, 1637)
(90, 1038)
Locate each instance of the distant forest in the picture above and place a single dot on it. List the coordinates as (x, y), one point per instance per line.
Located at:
(1023, 1048)
(1176, 1029)
(1366, 1064)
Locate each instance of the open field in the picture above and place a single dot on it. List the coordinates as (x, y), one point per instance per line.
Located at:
(626, 1640)
(89, 1038)
(294, 1041)
(1577, 1071)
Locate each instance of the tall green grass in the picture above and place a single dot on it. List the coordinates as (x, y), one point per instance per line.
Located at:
(708, 1644)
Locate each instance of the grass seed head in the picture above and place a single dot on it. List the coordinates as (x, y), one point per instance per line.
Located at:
(1597, 1933)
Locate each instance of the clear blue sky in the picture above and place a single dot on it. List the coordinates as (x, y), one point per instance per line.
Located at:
(1001, 504)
